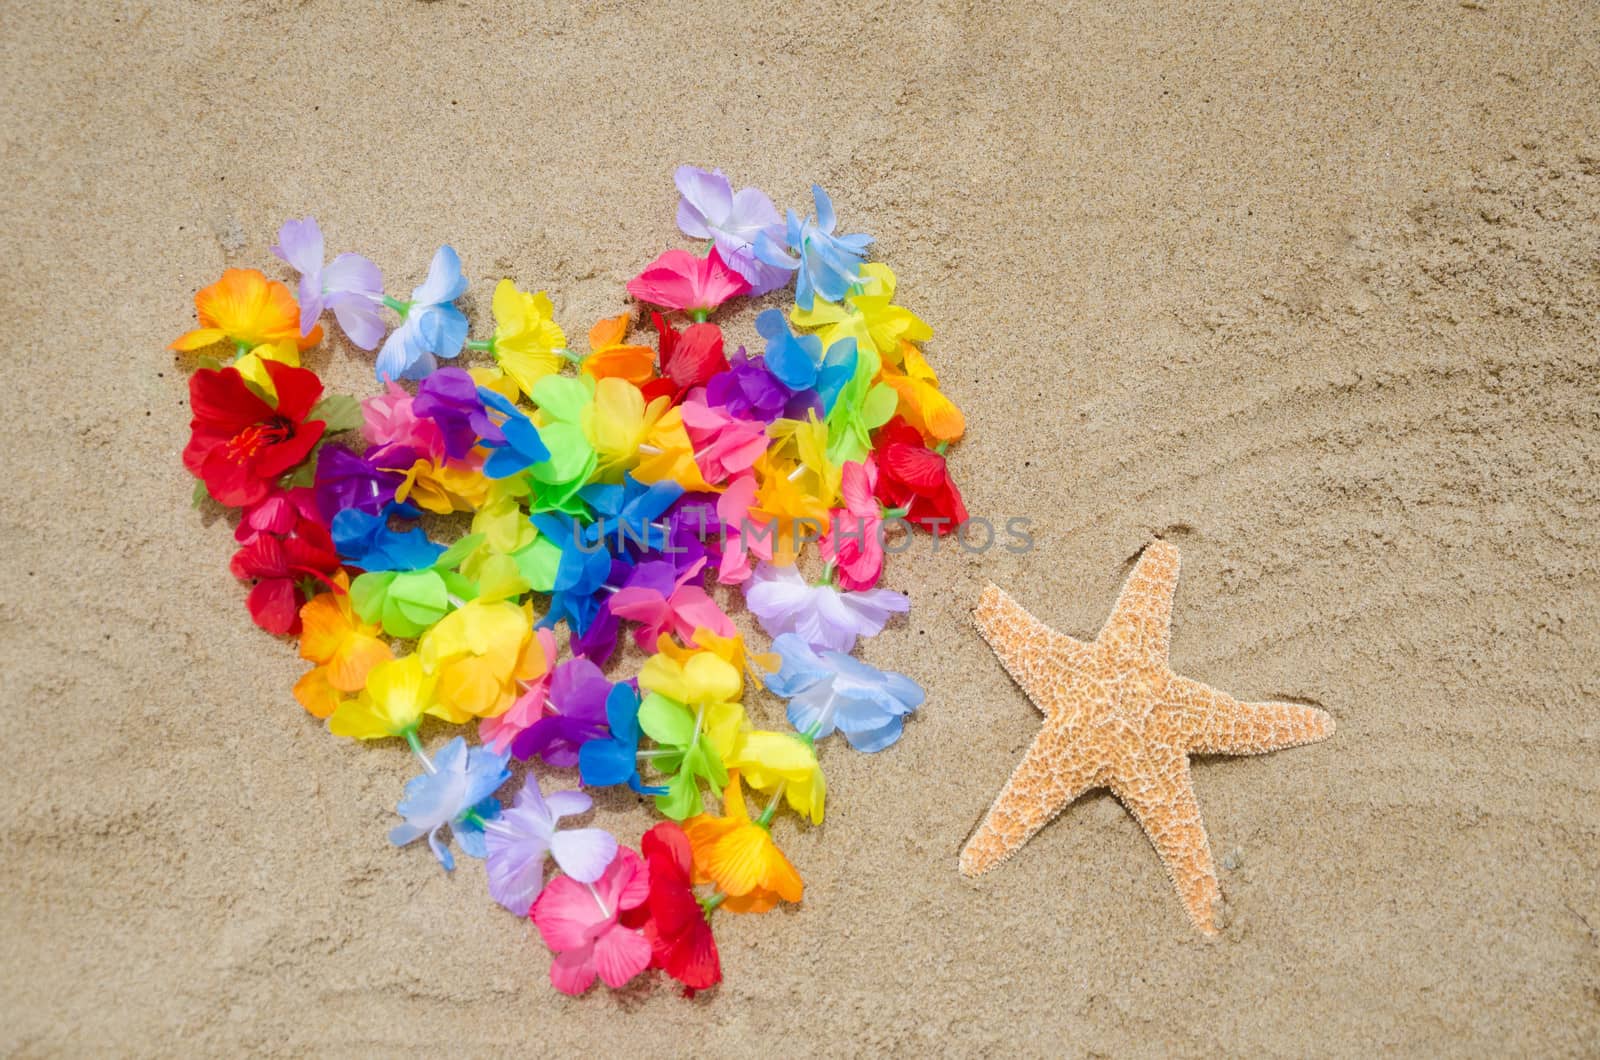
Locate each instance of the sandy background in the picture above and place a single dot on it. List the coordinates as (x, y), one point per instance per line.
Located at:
(1313, 294)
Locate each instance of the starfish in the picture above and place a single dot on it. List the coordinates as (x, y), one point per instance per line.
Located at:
(1117, 717)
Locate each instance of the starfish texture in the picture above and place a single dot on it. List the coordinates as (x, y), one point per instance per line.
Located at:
(1117, 717)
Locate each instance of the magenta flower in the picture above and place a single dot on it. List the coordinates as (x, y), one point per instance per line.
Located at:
(825, 618)
(679, 280)
(661, 600)
(854, 541)
(351, 285)
(582, 925)
(711, 209)
(724, 444)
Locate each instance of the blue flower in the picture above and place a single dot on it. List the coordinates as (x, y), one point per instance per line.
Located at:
(365, 540)
(456, 788)
(798, 361)
(629, 514)
(579, 574)
(828, 265)
(521, 447)
(614, 759)
(431, 326)
(830, 690)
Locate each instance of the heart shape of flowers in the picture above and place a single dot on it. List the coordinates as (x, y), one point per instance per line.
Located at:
(618, 487)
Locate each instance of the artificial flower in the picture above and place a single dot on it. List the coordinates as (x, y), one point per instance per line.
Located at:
(533, 674)
(806, 442)
(866, 315)
(830, 690)
(474, 651)
(628, 513)
(430, 324)
(667, 455)
(350, 285)
(799, 363)
(250, 311)
(784, 602)
(407, 602)
(692, 712)
(689, 358)
(582, 923)
(345, 480)
(824, 264)
(575, 713)
(864, 404)
(661, 599)
(445, 486)
(578, 574)
(789, 513)
(854, 541)
(774, 761)
(553, 484)
(281, 567)
(521, 838)
(922, 404)
(917, 479)
(518, 447)
(678, 930)
(739, 856)
(614, 757)
(612, 356)
(455, 790)
(396, 695)
(528, 344)
(731, 649)
(366, 540)
(239, 444)
(734, 512)
(748, 389)
(709, 208)
(679, 280)
(723, 445)
(449, 397)
(617, 424)
(343, 648)
(390, 419)
(276, 513)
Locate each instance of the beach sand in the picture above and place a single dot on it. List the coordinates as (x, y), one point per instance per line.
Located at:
(1315, 295)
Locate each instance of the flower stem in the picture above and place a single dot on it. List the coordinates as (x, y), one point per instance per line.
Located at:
(398, 306)
(699, 316)
(481, 345)
(572, 355)
(415, 742)
(895, 513)
(765, 820)
(941, 447)
(710, 902)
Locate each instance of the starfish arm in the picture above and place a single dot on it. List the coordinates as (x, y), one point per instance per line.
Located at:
(1033, 654)
(1140, 625)
(1163, 802)
(1214, 723)
(1044, 783)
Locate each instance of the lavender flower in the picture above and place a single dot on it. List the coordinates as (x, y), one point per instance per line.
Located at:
(351, 286)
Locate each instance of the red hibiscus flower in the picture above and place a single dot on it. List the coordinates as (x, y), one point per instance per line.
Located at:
(284, 566)
(679, 934)
(239, 443)
(688, 358)
(914, 477)
(679, 280)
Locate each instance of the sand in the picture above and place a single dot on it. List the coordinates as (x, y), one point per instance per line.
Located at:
(1312, 294)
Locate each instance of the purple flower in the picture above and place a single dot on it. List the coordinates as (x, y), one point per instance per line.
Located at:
(578, 693)
(711, 209)
(522, 837)
(346, 480)
(748, 389)
(351, 286)
(784, 602)
(450, 399)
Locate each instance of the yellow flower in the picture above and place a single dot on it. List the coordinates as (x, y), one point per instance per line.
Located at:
(769, 760)
(528, 343)
(806, 442)
(250, 311)
(866, 315)
(791, 511)
(739, 856)
(396, 696)
(473, 653)
(344, 648)
(667, 455)
(617, 423)
(731, 650)
(443, 488)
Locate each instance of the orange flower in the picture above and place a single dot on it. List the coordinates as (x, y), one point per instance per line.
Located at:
(739, 856)
(921, 403)
(612, 357)
(343, 647)
(248, 310)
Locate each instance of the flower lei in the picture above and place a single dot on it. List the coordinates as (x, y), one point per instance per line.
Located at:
(638, 473)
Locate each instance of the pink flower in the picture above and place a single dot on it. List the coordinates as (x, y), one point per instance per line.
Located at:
(854, 542)
(724, 445)
(662, 603)
(733, 511)
(583, 924)
(390, 419)
(498, 732)
(679, 280)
